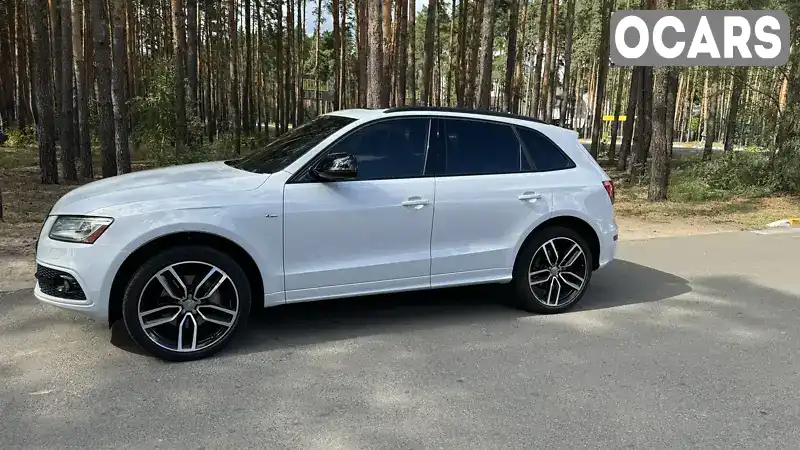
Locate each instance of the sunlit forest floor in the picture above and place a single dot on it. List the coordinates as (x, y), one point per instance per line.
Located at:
(27, 202)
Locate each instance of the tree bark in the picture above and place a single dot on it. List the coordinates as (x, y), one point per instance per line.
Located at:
(7, 69)
(45, 125)
(281, 119)
(336, 53)
(672, 95)
(643, 126)
(477, 20)
(511, 54)
(451, 54)
(402, 60)
(57, 60)
(659, 170)
(192, 55)
(739, 80)
(487, 52)
(343, 57)
(375, 63)
(597, 129)
(412, 39)
(612, 149)
(537, 70)
(519, 60)
(711, 119)
(179, 44)
(82, 92)
(236, 121)
(386, 35)
(118, 84)
(427, 69)
(316, 57)
(462, 53)
(553, 70)
(102, 72)
(23, 110)
(67, 110)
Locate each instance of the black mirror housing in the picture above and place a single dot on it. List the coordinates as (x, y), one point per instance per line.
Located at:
(336, 167)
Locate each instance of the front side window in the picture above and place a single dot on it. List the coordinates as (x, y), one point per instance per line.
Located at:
(284, 150)
(388, 149)
(480, 148)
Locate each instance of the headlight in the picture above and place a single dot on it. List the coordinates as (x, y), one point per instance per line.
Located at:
(85, 230)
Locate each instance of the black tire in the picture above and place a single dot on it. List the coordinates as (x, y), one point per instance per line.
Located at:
(184, 254)
(524, 297)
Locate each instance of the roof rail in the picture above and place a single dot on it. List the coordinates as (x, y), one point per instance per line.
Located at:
(483, 112)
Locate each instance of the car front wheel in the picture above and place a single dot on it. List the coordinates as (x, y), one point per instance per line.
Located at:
(186, 303)
(552, 271)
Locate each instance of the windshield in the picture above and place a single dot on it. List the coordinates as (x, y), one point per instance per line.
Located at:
(287, 148)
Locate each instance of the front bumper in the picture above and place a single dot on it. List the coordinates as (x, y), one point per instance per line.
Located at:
(88, 265)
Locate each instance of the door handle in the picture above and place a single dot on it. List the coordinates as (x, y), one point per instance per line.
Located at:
(529, 196)
(415, 202)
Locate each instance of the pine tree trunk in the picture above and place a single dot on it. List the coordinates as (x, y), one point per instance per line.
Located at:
(67, 127)
(451, 54)
(82, 92)
(316, 55)
(487, 52)
(105, 110)
(343, 58)
(57, 61)
(511, 54)
(402, 61)
(427, 69)
(289, 72)
(233, 96)
(739, 80)
(612, 149)
(412, 39)
(45, 125)
(210, 112)
(519, 60)
(711, 120)
(672, 95)
(375, 63)
(567, 59)
(7, 69)
(537, 70)
(23, 111)
(118, 82)
(192, 55)
(477, 20)
(386, 76)
(280, 120)
(597, 128)
(336, 53)
(553, 70)
(659, 150)
(643, 126)
(462, 53)
(179, 43)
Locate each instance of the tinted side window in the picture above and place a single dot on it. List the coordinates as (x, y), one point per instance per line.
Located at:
(388, 149)
(546, 156)
(480, 148)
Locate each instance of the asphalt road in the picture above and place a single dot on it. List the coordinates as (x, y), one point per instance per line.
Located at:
(681, 343)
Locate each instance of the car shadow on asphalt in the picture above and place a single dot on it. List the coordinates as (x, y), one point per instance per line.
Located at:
(621, 283)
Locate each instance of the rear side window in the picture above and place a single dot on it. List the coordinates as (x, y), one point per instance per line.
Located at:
(546, 155)
(480, 148)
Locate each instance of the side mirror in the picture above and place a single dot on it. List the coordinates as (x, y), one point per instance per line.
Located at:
(336, 167)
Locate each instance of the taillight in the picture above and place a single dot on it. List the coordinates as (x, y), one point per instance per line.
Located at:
(609, 185)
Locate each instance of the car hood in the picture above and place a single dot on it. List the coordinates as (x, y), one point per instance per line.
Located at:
(189, 180)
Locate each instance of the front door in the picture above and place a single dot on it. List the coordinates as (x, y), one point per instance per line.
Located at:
(367, 235)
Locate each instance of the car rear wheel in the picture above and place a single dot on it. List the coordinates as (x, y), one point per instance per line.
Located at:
(552, 271)
(186, 303)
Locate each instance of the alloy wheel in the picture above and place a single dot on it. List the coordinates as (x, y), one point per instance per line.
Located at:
(557, 272)
(188, 306)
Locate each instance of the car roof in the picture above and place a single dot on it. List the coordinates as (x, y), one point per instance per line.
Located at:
(374, 114)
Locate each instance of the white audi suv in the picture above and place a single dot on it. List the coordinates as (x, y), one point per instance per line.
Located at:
(352, 203)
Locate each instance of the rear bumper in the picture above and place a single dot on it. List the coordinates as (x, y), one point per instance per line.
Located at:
(608, 245)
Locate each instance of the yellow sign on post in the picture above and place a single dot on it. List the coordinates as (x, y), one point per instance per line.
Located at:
(310, 84)
(610, 118)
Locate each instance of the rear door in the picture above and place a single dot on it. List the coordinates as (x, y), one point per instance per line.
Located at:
(488, 193)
